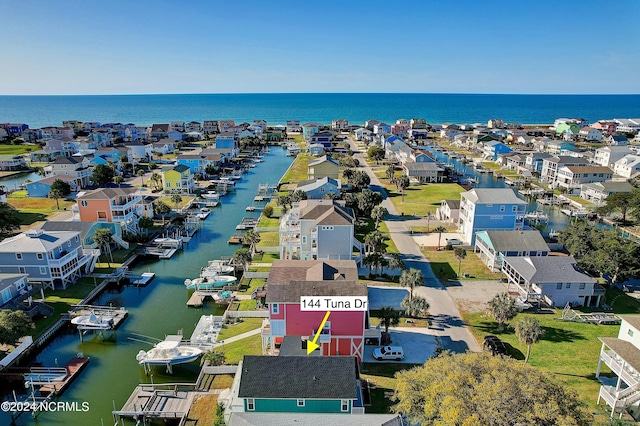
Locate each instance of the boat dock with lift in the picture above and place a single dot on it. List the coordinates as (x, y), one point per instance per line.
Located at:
(96, 318)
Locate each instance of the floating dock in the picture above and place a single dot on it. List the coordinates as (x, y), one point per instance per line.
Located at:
(207, 330)
(73, 367)
(117, 314)
(144, 279)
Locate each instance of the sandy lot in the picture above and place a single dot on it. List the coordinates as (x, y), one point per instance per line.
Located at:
(473, 295)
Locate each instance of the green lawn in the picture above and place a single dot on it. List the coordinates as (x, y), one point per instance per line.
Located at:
(265, 257)
(423, 199)
(390, 245)
(298, 171)
(446, 260)
(268, 221)
(426, 230)
(569, 351)
(269, 239)
(17, 149)
(248, 285)
(61, 301)
(32, 209)
(235, 351)
(382, 384)
(247, 324)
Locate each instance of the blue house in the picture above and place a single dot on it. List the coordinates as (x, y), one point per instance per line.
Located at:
(15, 129)
(42, 187)
(309, 129)
(494, 148)
(225, 140)
(318, 188)
(323, 138)
(483, 209)
(493, 246)
(534, 161)
(331, 384)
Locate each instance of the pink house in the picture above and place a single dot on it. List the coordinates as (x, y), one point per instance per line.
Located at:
(288, 328)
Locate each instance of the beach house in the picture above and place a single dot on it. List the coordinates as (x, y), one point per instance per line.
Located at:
(13, 289)
(324, 166)
(553, 280)
(493, 246)
(598, 192)
(628, 166)
(551, 165)
(573, 177)
(77, 168)
(178, 179)
(318, 188)
(483, 209)
(123, 206)
(53, 259)
(290, 327)
(12, 162)
(607, 155)
(318, 229)
(423, 172)
(620, 355)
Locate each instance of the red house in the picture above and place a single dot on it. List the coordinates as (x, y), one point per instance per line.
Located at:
(288, 328)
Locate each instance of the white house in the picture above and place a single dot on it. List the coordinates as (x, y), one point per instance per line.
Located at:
(572, 177)
(590, 134)
(597, 192)
(627, 166)
(607, 155)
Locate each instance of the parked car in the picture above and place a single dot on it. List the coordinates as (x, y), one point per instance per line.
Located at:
(389, 352)
(494, 345)
(454, 241)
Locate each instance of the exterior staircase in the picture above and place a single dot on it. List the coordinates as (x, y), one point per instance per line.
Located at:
(122, 243)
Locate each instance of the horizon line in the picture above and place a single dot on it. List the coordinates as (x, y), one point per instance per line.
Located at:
(324, 93)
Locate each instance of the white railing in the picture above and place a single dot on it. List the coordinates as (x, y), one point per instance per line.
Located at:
(63, 260)
(618, 369)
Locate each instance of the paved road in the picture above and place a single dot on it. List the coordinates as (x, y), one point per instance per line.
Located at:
(446, 320)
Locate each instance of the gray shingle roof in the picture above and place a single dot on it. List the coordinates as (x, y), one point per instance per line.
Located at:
(626, 350)
(548, 269)
(324, 158)
(107, 193)
(326, 212)
(634, 320)
(285, 271)
(291, 293)
(330, 377)
(503, 241)
(493, 196)
(425, 165)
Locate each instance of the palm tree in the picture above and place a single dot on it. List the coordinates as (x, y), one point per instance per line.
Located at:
(252, 237)
(389, 317)
(502, 308)
(402, 183)
(411, 278)
(176, 199)
(103, 238)
(460, 253)
(390, 172)
(529, 331)
(396, 262)
(439, 230)
(212, 357)
(140, 173)
(348, 174)
(378, 214)
(156, 180)
(374, 241)
(415, 307)
(242, 258)
(118, 180)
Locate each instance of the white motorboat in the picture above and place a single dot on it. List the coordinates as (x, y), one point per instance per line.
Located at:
(204, 213)
(216, 267)
(93, 322)
(169, 352)
(537, 216)
(209, 282)
(211, 195)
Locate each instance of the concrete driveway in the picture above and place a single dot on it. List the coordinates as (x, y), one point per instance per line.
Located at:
(431, 240)
(418, 344)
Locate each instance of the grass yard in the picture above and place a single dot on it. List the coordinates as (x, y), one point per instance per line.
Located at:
(269, 239)
(248, 285)
(61, 301)
(268, 221)
(298, 170)
(426, 230)
(569, 351)
(32, 208)
(380, 377)
(17, 149)
(446, 261)
(205, 411)
(390, 245)
(236, 350)
(247, 324)
(265, 257)
(423, 199)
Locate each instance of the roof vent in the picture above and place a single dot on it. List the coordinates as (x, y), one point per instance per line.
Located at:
(34, 233)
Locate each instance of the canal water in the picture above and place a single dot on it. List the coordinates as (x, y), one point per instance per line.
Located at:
(16, 181)
(557, 220)
(156, 310)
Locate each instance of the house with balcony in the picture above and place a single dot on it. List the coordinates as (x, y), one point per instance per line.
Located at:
(423, 172)
(42, 187)
(573, 177)
(493, 246)
(598, 192)
(449, 210)
(13, 289)
(621, 355)
(12, 162)
(628, 166)
(225, 140)
(293, 126)
(552, 280)
(324, 166)
(77, 168)
(123, 206)
(340, 125)
(318, 229)
(178, 179)
(607, 155)
(53, 259)
(289, 327)
(310, 129)
(267, 385)
(483, 209)
(551, 165)
(491, 150)
(226, 125)
(210, 127)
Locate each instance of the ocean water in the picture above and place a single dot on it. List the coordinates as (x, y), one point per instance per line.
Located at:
(40, 111)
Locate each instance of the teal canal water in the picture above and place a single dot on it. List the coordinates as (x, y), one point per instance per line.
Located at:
(155, 310)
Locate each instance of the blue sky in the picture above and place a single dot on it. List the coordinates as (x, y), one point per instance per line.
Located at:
(424, 46)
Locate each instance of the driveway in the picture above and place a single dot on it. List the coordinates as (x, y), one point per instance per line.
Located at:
(418, 344)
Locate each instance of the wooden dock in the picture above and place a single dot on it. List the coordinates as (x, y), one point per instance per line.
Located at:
(73, 367)
(196, 300)
(161, 401)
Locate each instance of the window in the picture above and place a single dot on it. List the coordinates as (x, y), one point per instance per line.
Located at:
(304, 239)
(251, 404)
(40, 256)
(300, 403)
(582, 286)
(568, 285)
(344, 405)
(22, 270)
(43, 270)
(559, 286)
(502, 208)
(83, 203)
(514, 208)
(275, 308)
(489, 205)
(18, 256)
(630, 332)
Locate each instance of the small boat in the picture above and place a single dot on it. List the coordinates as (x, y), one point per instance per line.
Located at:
(204, 213)
(209, 282)
(537, 216)
(211, 195)
(216, 267)
(93, 322)
(169, 352)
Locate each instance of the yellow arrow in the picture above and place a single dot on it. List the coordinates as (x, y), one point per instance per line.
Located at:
(311, 344)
